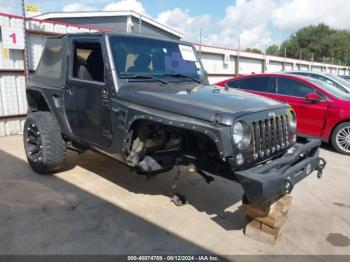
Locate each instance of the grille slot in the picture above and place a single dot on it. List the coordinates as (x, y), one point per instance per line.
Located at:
(270, 136)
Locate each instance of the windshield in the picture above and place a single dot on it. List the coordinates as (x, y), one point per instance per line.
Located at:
(330, 89)
(339, 80)
(135, 57)
(328, 79)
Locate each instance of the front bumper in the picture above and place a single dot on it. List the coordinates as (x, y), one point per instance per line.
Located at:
(266, 183)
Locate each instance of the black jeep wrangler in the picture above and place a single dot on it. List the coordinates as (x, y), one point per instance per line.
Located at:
(147, 103)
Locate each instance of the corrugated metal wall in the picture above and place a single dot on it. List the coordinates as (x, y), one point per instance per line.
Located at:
(14, 60)
(13, 103)
(12, 84)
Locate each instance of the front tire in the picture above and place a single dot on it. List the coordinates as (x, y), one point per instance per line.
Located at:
(43, 143)
(341, 138)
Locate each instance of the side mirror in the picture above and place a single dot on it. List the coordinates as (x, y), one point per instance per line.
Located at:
(313, 97)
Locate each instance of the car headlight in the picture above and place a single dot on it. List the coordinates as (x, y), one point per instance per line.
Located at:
(293, 122)
(241, 135)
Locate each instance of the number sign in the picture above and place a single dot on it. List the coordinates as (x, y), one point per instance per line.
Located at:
(12, 38)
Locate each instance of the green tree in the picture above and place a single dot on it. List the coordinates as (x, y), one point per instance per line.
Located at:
(320, 43)
(273, 50)
(254, 50)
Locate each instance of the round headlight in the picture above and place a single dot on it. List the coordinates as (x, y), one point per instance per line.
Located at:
(241, 135)
(293, 122)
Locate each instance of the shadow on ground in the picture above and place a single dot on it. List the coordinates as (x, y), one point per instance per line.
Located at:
(213, 198)
(46, 215)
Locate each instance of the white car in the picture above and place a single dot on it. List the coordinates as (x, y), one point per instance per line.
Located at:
(331, 79)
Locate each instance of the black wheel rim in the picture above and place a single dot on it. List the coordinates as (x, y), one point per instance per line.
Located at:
(34, 143)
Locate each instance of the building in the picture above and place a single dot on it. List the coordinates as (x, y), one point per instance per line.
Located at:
(117, 21)
(222, 63)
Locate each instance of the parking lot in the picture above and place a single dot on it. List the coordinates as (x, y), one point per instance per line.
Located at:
(97, 206)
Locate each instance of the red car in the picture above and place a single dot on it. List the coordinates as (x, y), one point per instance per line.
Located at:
(322, 110)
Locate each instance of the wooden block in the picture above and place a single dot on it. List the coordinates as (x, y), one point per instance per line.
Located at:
(253, 230)
(273, 218)
(285, 214)
(275, 231)
(254, 211)
(283, 204)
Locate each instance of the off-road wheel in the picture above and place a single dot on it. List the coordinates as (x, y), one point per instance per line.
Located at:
(341, 138)
(43, 143)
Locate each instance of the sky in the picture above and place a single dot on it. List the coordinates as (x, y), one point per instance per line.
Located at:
(257, 23)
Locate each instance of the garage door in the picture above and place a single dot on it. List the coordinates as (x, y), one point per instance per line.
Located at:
(248, 66)
(274, 66)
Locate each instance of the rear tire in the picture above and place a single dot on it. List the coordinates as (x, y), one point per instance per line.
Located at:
(341, 138)
(43, 143)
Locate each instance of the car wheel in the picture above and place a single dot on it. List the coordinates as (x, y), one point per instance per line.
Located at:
(341, 138)
(43, 143)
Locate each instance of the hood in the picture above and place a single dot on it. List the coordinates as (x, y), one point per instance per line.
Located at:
(195, 100)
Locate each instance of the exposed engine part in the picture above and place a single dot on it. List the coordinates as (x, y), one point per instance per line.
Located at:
(179, 199)
(135, 154)
(158, 162)
(155, 148)
(148, 164)
(173, 142)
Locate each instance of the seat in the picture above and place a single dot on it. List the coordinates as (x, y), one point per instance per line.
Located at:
(93, 69)
(141, 64)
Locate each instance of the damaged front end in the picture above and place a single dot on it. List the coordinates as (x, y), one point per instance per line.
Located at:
(268, 182)
(273, 163)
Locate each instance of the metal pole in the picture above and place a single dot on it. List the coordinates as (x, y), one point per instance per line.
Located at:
(324, 66)
(238, 47)
(265, 61)
(285, 58)
(25, 58)
(140, 24)
(200, 43)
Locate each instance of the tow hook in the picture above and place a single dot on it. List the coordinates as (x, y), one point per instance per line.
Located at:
(321, 165)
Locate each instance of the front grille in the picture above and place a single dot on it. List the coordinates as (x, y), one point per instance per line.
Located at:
(270, 136)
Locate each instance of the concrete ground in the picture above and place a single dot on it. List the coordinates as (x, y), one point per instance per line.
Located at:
(97, 206)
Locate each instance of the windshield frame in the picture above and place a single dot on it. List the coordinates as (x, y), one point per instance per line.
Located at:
(202, 77)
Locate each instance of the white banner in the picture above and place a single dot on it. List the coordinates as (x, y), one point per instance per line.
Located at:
(12, 38)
